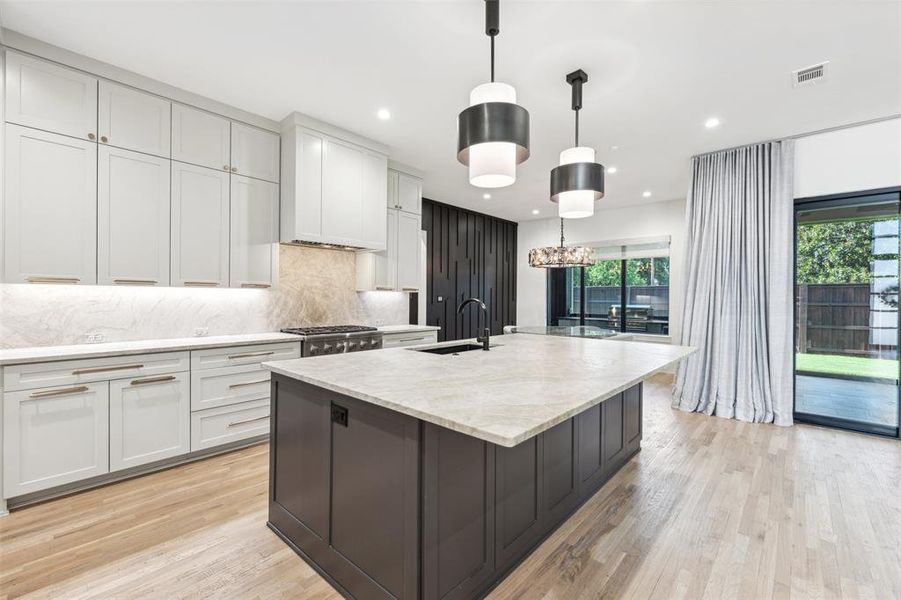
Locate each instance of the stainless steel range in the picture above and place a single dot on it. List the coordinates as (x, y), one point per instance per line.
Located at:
(337, 339)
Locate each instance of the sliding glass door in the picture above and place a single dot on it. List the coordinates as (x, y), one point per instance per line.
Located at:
(846, 312)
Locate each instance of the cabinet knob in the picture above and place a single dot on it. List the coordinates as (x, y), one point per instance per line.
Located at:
(225, 167)
(103, 139)
(91, 136)
(234, 169)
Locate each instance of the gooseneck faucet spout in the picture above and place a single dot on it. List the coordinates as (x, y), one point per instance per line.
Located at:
(486, 332)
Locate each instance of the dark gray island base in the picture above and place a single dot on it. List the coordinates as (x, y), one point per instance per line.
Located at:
(385, 505)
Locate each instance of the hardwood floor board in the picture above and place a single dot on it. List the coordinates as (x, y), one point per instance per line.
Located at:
(710, 508)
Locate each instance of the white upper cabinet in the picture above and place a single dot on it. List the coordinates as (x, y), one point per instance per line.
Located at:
(254, 232)
(200, 138)
(409, 193)
(254, 152)
(200, 207)
(408, 263)
(149, 419)
(333, 192)
(50, 97)
(134, 120)
(133, 218)
(49, 207)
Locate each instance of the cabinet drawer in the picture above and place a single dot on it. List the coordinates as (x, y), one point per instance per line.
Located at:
(67, 372)
(228, 385)
(398, 340)
(243, 355)
(217, 426)
(54, 436)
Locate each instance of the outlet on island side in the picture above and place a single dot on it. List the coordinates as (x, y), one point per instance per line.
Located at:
(93, 338)
(201, 331)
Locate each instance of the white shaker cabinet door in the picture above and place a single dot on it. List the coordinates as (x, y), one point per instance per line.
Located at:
(255, 152)
(408, 226)
(50, 208)
(409, 193)
(133, 218)
(200, 138)
(200, 199)
(48, 96)
(150, 419)
(53, 436)
(342, 197)
(386, 261)
(254, 232)
(374, 201)
(134, 120)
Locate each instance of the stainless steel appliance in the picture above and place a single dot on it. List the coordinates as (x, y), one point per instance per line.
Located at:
(637, 316)
(336, 339)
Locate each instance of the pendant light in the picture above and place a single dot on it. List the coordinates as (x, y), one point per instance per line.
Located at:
(493, 133)
(579, 181)
(555, 257)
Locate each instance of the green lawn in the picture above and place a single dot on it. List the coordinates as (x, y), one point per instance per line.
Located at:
(847, 365)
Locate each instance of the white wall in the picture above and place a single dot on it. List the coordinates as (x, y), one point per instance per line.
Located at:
(849, 160)
(646, 220)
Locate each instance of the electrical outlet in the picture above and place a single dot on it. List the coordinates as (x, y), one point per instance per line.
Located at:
(93, 338)
(379, 322)
(201, 331)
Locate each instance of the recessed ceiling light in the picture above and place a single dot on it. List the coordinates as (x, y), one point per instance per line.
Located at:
(611, 170)
(535, 211)
(384, 114)
(646, 193)
(711, 123)
(486, 196)
(614, 147)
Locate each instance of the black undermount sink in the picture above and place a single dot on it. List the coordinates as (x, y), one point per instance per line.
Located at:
(455, 349)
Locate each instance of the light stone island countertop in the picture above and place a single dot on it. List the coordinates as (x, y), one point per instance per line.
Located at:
(523, 386)
(18, 356)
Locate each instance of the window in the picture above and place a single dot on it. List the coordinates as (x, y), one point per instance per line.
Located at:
(624, 294)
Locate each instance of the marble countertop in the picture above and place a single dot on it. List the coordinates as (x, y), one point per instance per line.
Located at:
(407, 328)
(18, 356)
(523, 386)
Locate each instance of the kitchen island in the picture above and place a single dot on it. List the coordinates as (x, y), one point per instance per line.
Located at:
(407, 474)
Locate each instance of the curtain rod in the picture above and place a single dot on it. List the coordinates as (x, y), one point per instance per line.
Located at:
(804, 135)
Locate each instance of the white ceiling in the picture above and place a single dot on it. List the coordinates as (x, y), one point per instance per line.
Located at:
(657, 71)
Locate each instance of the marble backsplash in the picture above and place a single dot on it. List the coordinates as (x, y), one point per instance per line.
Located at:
(316, 287)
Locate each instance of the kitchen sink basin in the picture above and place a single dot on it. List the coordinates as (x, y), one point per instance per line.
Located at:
(455, 349)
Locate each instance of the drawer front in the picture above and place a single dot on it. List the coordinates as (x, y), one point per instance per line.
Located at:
(228, 385)
(217, 426)
(243, 355)
(398, 340)
(54, 436)
(69, 372)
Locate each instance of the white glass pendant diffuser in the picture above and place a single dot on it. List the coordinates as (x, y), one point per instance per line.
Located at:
(493, 133)
(579, 181)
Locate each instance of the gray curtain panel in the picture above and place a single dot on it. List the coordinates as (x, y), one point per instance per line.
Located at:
(738, 290)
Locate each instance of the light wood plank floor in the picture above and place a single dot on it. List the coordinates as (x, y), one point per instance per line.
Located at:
(710, 508)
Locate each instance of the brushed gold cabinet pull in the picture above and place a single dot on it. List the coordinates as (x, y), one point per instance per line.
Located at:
(416, 339)
(91, 136)
(48, 393)
(234, 169)
(41, 279)
(410, 289)
(136, 281)
(225, 167)
(89, 370)
(385, 288)
(103, 139)
(160, 379)
(249, 355)
(246, 383)
(261, 286)
(201, 284)
(245, 421)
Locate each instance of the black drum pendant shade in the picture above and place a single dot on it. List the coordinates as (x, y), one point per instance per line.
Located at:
(493, 133)
(579, 181)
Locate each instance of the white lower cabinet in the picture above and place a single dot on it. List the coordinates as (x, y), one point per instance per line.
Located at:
(409, 338)
(149, 419)
(54, 436)
(217, 426)
(228, 385)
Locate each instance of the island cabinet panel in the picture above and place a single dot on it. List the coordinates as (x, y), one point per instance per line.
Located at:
(518, 498)
(612, 422)
(559, 462)
(591, 462)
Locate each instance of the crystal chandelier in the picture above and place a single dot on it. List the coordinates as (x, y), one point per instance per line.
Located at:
(555, 257)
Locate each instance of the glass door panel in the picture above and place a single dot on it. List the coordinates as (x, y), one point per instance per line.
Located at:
(846, 313)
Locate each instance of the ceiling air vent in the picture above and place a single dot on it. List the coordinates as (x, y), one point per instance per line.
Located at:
(809, 75)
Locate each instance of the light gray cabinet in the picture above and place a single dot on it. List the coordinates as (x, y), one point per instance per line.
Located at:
(254, 152)
(253, 233)
(134, 120)
(201, 138)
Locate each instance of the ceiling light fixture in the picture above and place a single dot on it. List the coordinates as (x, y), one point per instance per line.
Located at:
(486, 196)
(556, 257)
(646, 194)
(610, 170)
(579, 181)
(711, 123)
(384, 114)
(535, 211)
(493, 133)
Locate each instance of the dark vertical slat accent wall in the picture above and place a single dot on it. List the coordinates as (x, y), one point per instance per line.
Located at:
(470, 255)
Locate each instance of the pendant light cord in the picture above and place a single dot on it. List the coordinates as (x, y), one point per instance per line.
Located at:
(577, 127)
(561, 232)
(492, 26)
(492, 59)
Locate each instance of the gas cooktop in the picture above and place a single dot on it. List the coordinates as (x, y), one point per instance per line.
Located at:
(328, 329)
